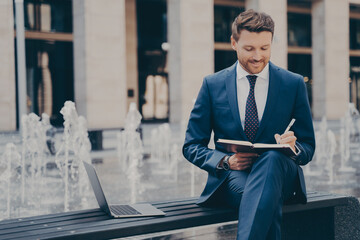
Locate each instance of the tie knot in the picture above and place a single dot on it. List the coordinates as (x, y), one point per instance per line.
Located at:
(252, 80)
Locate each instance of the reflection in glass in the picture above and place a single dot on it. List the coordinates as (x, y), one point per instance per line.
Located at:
(223, 19)
(50, 77)
(152, 60)
(354, 34)
(302, 64)
(29, 16)
(45, 20)
(354, 85)
(48, 15)
(299, 30)
(224, 59)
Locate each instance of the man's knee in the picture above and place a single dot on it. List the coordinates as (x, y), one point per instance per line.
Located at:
(236, 181)
(273, 158)
(273, 154)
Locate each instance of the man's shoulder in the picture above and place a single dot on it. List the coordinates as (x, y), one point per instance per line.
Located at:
(222, 74)
(285, 73)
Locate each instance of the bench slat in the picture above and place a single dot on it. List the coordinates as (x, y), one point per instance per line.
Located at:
(95, 224)
(72, 223)
(118, 229)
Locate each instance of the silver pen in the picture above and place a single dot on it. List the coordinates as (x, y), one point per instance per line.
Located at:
(290, 125)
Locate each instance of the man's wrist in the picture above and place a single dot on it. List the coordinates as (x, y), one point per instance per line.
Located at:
(219, 166)
(221, 163)
(225, 163)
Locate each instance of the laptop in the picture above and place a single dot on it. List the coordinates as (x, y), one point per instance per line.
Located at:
(118, 211)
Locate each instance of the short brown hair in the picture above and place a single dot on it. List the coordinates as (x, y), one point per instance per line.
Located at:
(253, 22)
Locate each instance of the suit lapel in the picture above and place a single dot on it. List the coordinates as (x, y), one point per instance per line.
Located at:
(272, 97)
(231, 90)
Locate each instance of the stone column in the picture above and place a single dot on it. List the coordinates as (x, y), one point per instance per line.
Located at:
(191, 53)
(7, 67)
(131, 51)
(277, 9)
(100, 62)
(330, 58)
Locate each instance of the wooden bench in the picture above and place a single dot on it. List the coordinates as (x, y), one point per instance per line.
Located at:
(317, 215)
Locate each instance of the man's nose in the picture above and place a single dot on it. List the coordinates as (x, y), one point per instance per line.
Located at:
(257, 56)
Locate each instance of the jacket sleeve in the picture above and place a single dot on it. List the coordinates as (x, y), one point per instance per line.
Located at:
(198, 133)
(303, 127)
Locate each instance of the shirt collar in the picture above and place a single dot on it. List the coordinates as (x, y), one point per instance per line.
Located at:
(240, 72)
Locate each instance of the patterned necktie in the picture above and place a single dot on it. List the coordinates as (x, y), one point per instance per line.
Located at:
(251, 115)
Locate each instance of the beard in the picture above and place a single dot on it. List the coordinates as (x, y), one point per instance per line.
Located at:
(253, 66)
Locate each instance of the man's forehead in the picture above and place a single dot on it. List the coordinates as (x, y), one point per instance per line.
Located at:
(264, 36)
(246, 32)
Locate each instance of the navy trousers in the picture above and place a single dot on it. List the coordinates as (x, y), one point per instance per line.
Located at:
(259, 194)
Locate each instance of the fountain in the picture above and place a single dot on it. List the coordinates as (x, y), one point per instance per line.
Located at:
(331, 153)
(337, 150)
(323, 164)
(346, 131)
(33, 157)
(74, 149)
(10, 164)
(319, 165)
(41, 180)
(160, 144)
(130, 150)
(165, 155)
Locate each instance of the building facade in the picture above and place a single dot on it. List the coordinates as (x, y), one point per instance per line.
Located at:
(105, 54)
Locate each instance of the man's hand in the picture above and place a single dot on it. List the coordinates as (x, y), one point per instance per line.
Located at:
(242, 161)
(286, 138)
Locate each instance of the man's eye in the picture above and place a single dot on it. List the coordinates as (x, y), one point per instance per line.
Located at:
(248, 49)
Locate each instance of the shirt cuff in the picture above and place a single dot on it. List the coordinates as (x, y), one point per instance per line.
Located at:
(297, 152)
(218, 165)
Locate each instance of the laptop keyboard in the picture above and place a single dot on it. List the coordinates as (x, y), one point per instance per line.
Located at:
(123, 210)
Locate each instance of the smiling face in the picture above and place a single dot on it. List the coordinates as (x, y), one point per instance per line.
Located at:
(253, 50)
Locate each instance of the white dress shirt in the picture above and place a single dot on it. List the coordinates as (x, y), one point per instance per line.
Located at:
(260, 91)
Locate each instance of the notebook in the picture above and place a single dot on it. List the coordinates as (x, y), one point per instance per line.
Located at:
(118, 211)
(244, 146)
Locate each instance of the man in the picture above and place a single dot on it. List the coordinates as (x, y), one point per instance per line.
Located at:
(253, 100)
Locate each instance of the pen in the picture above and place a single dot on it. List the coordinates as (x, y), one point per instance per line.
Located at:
(290, 125)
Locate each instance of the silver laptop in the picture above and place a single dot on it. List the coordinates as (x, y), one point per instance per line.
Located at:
(118, 211)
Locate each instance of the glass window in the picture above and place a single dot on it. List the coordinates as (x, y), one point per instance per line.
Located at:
(354, 34)
(151, 23)
(50, 81)
(152, 56)
(224, 59)
(302, 64)
(49, 63)
(354, 84)
(223, 19)
(48, 15)
(299, 30)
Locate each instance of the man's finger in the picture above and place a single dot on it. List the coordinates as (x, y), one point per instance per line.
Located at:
(277, 138)
(289, 139)
(287, 134)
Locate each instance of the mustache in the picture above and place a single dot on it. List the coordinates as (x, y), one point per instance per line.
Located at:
(256, 61)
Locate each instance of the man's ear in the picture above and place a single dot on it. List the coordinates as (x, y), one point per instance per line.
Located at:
(233, 43)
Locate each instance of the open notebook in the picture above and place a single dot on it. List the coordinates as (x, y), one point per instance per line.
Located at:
(245, 146)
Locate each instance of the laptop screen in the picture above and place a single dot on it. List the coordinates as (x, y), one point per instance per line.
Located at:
(95, 183)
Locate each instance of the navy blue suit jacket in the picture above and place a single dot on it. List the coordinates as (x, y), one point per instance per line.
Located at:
(216, 109)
